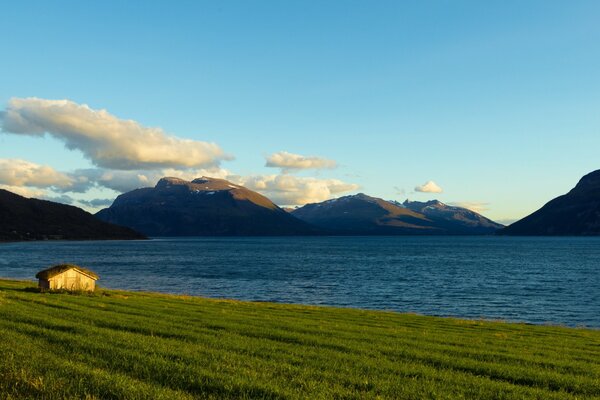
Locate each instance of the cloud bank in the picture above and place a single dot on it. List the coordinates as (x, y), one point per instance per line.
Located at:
(33, 180)
(281, 189)
(293, 162)
(290, 190)
(478, 207)
(20, 173)
(96, 203)
(429, 187)
(125, 181)
(24, 191)
(107, 141)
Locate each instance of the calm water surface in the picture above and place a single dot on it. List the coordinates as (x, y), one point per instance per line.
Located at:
(537, 280)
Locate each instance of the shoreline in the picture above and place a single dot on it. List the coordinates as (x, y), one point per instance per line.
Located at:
(100, 290)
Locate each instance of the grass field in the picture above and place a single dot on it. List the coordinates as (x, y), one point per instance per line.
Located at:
(126, 345)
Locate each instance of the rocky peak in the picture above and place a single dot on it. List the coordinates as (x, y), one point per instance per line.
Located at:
(202, 179)
(420, 205)
(198, 184)
(360, 196)
(169, 181)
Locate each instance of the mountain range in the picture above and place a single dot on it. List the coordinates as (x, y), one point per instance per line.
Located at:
(361, 214)
(454, 219)
(216, 207)
(32, 219)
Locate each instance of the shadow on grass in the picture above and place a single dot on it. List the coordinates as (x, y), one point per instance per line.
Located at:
(34, 289)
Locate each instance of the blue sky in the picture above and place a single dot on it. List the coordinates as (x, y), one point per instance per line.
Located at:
(498, 103)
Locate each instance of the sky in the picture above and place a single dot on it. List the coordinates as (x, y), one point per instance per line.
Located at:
(490, 105)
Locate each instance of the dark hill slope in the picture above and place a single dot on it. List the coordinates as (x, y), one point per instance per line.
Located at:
(203, 207)
(32, 219)
(576, 213)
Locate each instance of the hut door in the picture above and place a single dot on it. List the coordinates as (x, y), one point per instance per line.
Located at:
(71, 282)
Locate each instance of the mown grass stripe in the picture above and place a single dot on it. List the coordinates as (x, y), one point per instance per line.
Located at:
(176, 346)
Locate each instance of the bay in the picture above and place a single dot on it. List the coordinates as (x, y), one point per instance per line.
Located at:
(541, 280)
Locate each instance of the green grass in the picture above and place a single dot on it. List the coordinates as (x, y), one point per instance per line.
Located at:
(125, 345)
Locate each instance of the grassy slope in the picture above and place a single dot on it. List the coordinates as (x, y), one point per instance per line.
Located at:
(137, 345)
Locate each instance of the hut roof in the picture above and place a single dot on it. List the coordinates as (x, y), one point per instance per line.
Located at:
(60, 268)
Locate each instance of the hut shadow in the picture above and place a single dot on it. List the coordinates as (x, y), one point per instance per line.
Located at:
(30, 289)
(35, 289)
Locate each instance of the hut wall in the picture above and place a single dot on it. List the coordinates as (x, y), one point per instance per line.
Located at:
(72, 280)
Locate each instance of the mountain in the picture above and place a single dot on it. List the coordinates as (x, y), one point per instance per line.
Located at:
(576, 213)
(365, 215)
(202, 207)
(453, 219)
(32, 219)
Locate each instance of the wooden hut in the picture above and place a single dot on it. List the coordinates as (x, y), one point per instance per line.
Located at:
(67, 276)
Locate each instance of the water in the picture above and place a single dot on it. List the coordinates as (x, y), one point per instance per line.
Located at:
(536, 280)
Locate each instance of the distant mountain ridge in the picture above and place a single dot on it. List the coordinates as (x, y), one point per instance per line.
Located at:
(203, 207)
(576, 213)
(32, 219)
(453, 218)
(361, 214)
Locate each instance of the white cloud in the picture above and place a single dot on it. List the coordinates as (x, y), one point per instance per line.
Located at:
(213, 172)
(429, 187)
(25, 191)
(476, 206)
(109, 142)
(63, 199)
(96, 203)
(25, 175)
(119, 181)
(290, 162)
(290, 190)
(15, 172)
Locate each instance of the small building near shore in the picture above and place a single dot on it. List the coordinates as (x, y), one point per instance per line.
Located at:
(68, 277)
